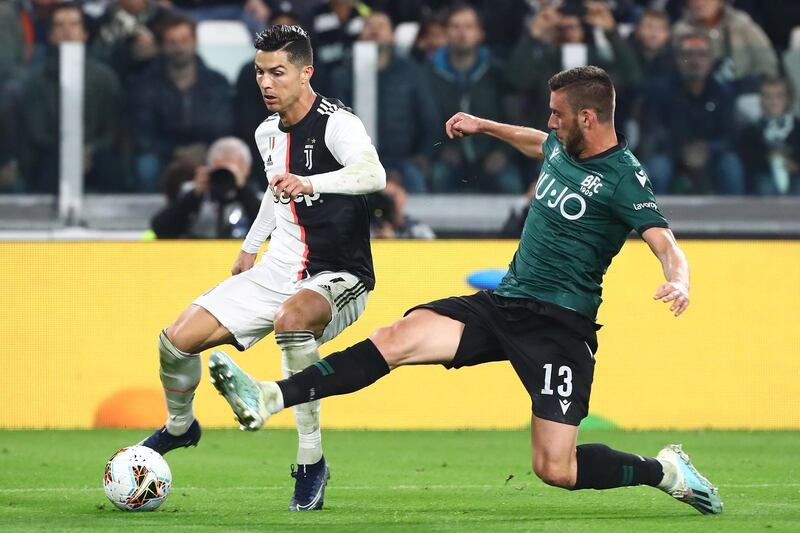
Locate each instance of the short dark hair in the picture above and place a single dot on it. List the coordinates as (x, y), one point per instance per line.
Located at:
(173, 21)
(291, 39)
(66, 6)
(587, 88)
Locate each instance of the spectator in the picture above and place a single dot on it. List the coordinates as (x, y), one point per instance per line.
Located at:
(14, 49)
(515, 223)
(389, 219)
(409, 119)
(770, 148)
(253, 13)
(335, 27)
(38, 23)
(464, 76)
(651, 44)
(10, 179)
(217, 203)
(691, 124)
(569, 36)
(741, 48)
(179, 104)
(430, 37)
(126, 37)
(40, 114)
(248, 103)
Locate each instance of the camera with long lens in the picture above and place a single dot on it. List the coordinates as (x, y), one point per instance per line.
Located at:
(222, 185)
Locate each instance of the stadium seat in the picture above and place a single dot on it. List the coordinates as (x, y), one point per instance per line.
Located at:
(225, 45)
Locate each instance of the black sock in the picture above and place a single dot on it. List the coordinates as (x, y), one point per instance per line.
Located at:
(600, 467)
(350, 370)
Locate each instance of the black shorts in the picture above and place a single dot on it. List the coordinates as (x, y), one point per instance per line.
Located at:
(550, 347)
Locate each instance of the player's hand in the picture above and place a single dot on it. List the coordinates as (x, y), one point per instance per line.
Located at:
(674, 292)
(290, 186)
(462, 124)
(243, 263)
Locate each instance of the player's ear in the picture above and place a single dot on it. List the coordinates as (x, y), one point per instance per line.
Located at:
(306, 73)
(587, 116)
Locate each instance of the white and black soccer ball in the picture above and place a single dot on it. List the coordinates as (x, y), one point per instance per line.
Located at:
(137, 479)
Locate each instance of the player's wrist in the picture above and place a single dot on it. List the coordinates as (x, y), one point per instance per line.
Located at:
(308, 187)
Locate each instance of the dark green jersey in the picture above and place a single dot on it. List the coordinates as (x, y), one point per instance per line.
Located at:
(580, 216)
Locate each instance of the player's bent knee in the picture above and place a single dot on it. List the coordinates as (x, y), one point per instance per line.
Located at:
(291, 319)
(392, 342)
(554, 474)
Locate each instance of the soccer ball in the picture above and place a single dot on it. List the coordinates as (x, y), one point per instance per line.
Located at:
(137, 479)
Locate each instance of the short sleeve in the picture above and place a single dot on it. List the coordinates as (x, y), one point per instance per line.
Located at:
(346, 138)
(635, 204)
(551, 145)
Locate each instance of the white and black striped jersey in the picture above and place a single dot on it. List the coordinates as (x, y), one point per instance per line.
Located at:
(323, 231)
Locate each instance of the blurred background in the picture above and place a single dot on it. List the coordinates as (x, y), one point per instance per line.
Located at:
(133, 120)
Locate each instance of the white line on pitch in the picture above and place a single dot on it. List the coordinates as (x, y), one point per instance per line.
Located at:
(355, 487)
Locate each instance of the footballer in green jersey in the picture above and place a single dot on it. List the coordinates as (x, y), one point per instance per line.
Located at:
(591, 193)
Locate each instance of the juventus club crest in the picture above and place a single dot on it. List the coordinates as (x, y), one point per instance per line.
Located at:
(309, 151)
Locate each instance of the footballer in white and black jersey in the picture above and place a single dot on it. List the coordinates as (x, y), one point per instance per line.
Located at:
(316, 274)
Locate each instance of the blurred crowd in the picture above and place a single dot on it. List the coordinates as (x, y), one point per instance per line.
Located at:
(707, 93)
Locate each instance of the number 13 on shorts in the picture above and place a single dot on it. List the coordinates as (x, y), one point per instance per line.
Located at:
(564, 373)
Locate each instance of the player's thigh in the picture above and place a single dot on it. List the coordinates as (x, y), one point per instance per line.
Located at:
(305, 310)
(556, 367)
(245, 304)
(339, 299)
(421, 337)
(195, 330)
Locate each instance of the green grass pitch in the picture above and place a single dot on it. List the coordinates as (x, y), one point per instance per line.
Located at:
(402, 480)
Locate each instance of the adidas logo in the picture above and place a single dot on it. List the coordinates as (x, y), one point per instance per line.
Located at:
(565, 405)
(269, 160)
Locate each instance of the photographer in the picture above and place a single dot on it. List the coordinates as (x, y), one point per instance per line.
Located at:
(216, 203)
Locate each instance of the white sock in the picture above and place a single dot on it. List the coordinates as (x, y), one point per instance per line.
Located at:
(671, 476)
(180, 375)
(299, 350)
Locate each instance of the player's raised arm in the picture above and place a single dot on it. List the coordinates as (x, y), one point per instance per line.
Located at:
(529, 141)
(348, 142)
(676, 268)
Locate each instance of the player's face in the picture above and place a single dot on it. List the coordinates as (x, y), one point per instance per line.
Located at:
(280, 81)
(565, 123)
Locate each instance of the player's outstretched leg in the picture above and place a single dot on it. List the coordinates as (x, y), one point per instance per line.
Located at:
(252, 402)
(687, 484)
(180, 375)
